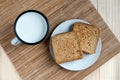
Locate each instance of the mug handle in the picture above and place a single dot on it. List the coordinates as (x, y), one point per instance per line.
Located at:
(15, 41)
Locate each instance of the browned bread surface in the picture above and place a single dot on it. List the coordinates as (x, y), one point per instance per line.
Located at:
(66, 48)
(88, 36)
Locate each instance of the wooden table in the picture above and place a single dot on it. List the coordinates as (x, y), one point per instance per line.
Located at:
(109, 11)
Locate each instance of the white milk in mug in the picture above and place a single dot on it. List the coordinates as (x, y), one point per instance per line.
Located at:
(31, 27)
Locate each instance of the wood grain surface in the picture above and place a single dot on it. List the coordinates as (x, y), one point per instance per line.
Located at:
(35, 62)
(7, 69)
(110, 12)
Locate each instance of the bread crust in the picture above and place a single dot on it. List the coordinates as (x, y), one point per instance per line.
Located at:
(88, 36)
(66, 47)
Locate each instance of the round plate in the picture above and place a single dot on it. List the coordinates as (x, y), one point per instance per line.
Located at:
(88, 59)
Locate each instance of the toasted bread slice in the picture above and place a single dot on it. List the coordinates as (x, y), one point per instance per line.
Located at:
(88, 36)
(66, 47)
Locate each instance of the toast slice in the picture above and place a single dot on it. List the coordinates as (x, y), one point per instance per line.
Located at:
(66, 47)
(88, 36)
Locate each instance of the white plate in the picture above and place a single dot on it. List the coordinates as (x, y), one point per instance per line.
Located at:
(88, 59)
